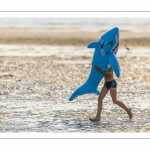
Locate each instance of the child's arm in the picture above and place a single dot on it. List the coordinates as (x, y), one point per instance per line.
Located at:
(109, 72)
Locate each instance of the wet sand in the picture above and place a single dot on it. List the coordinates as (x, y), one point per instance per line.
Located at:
(35, 91)
(72, 37)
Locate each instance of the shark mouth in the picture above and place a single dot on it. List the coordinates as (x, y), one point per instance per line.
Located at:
(115, 47)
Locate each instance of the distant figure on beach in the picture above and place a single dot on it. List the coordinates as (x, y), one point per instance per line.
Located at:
(110, 84)
(127, 48)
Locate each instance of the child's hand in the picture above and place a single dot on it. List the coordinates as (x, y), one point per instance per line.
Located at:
(97, 69)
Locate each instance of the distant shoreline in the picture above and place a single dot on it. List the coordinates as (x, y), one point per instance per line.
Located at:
(68, 37)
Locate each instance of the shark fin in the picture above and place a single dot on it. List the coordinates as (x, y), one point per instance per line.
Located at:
(113, 61)
(82, 91)
(93, 45)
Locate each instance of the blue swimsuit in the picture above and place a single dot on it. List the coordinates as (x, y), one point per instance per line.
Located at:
(110, 84)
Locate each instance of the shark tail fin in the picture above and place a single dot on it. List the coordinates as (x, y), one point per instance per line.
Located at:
(81, 91)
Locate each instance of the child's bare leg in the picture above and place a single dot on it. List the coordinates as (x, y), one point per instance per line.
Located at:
(119, 103)
(99, 106)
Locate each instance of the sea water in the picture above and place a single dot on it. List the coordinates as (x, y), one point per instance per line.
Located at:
(92, 23)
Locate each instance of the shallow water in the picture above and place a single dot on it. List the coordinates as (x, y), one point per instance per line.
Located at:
(92, 23)
(31, 110)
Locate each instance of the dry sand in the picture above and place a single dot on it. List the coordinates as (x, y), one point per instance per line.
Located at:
(35, 90)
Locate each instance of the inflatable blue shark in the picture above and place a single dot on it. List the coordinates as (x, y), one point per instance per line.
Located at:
(104, 56)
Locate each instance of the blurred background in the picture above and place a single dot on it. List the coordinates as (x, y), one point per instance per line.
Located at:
(92, 23)
(72, 31)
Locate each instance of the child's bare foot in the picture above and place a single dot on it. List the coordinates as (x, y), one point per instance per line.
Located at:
(94, 119)
(130, 114)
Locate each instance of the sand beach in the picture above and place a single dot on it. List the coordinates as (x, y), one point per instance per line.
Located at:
(40, 68)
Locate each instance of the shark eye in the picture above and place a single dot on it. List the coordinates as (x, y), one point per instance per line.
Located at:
(110, 43)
